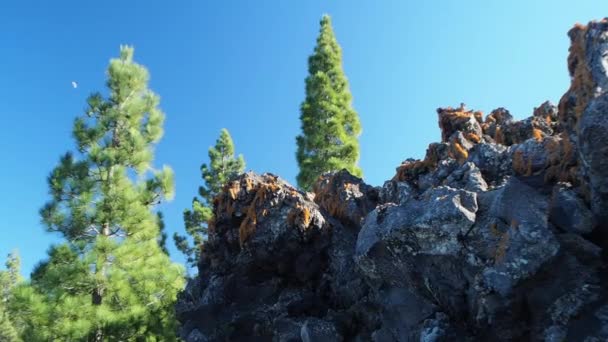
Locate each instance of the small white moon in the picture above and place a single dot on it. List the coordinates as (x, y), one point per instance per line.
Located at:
(74, 85)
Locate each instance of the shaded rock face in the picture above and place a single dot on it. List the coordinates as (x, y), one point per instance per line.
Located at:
(498, 234)
(278, 266)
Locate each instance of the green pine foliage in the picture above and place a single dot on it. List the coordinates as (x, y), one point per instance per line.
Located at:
(9, 279)
(110, 280)
(8, 333)
(223, 166)
(162, 238)
(330, 125)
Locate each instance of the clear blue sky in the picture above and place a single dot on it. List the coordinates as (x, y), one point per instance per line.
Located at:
(242, 64)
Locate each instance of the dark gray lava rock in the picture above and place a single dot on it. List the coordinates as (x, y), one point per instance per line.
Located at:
(499, 234)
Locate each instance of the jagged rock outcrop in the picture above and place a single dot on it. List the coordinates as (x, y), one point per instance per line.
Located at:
(498, 234)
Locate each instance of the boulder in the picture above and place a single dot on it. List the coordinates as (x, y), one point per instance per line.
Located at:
(569, 212)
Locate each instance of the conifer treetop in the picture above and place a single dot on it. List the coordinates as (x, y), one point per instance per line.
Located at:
(330, 126)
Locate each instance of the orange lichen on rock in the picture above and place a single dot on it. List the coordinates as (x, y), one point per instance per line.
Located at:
(499, 137)
(410, 170)
(224, 202)
(458, 152)
(537, 134)
(233, 189)
(472, 137)
(344, 197)
(582, 85)
(249, 223)
(561, 162)
(454, 119)
(300, 215)
(306, 217)
(325, 197)
(248, 184)
(521, 166)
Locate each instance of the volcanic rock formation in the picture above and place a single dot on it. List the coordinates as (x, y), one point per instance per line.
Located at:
(498, 234)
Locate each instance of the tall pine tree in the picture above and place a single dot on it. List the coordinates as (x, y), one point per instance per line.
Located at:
(223, 166)
(330, 125)
(110, 280)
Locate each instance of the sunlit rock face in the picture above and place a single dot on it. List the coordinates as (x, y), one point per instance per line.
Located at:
(498, 234)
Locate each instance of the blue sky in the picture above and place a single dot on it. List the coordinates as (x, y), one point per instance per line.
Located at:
(242, 64)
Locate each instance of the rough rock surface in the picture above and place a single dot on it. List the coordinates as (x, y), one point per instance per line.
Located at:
(498, 234)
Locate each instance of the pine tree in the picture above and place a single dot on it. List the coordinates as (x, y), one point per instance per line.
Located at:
(223, 166)
(109, 280)
(11, 276)
(8, 280)
(330, 125)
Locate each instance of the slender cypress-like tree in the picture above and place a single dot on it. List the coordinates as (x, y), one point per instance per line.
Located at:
(330, 125)
(109, 280)
(223, 166)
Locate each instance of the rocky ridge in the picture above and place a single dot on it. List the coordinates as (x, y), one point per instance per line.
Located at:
(498, 234)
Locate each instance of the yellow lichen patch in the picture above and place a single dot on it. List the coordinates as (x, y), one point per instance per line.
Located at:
(501, 249)
(459, 153)
(472, 137)
(306, 217)
(537, 134)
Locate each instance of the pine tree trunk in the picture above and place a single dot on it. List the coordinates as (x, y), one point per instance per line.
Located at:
(97, 296)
